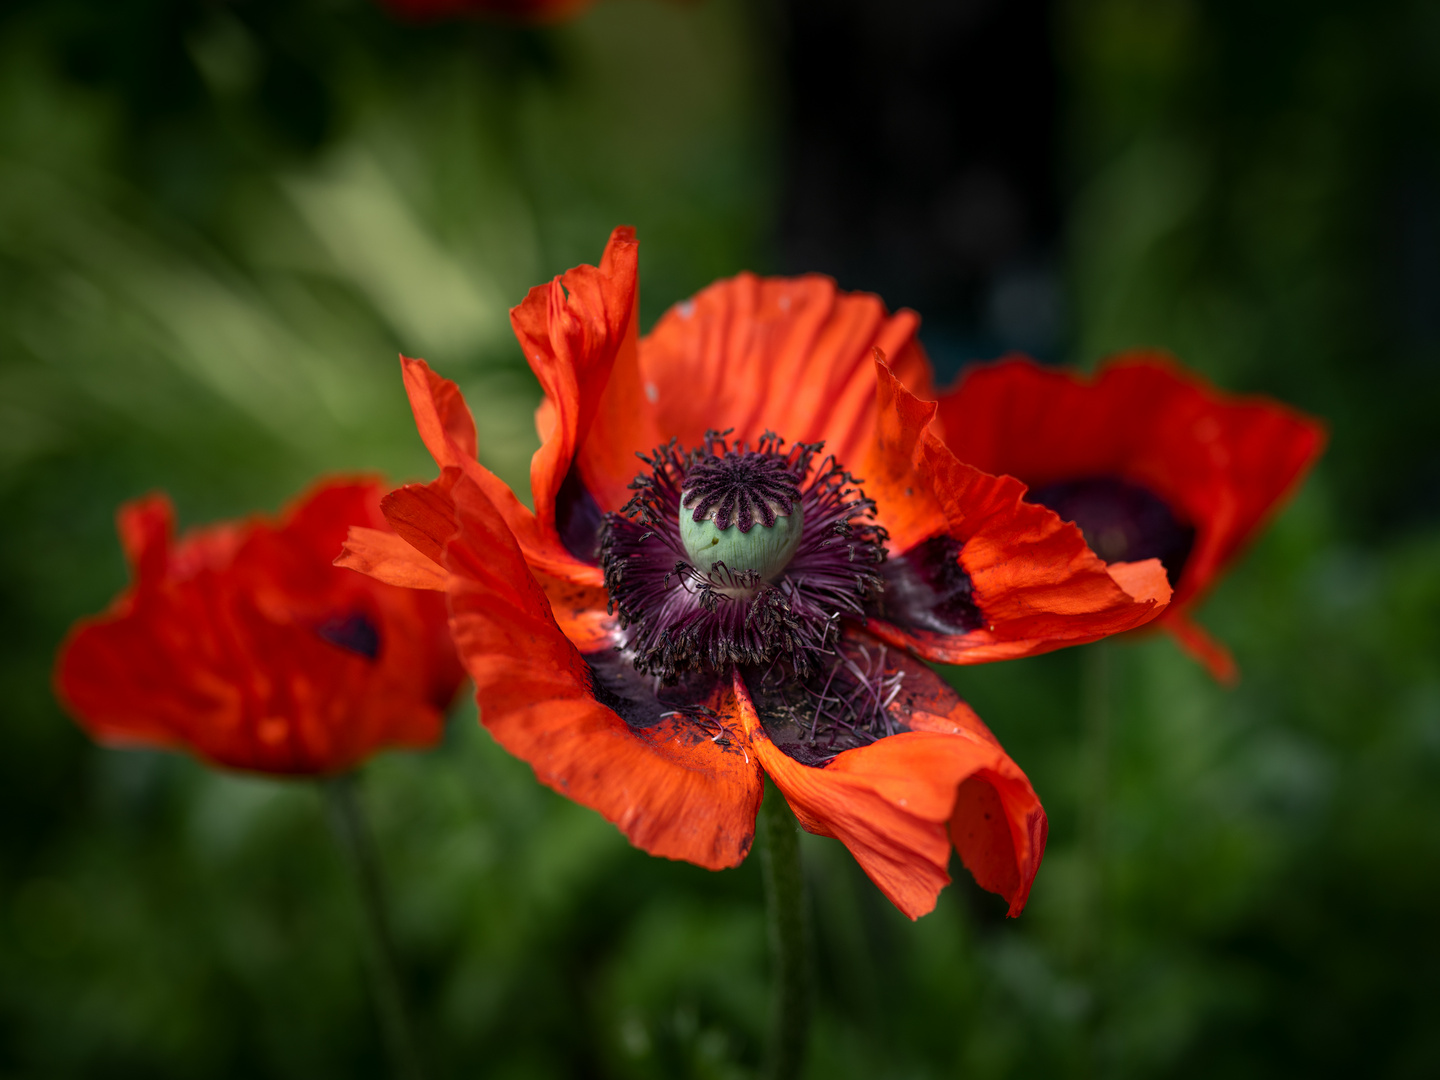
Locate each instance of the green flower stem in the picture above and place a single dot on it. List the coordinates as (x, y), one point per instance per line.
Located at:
(1097, 690)
(789, 937)
(347, 818)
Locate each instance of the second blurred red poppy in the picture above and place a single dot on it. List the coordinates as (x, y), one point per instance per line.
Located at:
(1148, 459)
(244, 645)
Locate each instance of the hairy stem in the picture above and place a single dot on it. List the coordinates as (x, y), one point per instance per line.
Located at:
(789, 938)
(347, 819)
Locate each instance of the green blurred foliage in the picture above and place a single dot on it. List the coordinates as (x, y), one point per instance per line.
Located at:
(218, 225)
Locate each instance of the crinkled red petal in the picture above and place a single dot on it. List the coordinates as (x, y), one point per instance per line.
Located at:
(424, 516)
(448, 432)
(908, 507)
(441, 416)
(670, 787)
(1036, 584)
(899, 803)
(579, 335)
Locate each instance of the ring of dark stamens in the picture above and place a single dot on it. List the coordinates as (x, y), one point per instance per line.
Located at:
(840, 706)
(677, 618)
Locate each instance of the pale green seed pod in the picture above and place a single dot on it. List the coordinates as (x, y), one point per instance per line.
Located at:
(766, 551)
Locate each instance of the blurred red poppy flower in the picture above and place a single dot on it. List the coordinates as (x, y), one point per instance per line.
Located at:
(1148, 459)
(657, 635)
(244, 644)
(521, 11)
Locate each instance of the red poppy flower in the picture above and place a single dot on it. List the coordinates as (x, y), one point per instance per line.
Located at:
(1148, 459)
(520, 11)
(650, 643)
(245, 645)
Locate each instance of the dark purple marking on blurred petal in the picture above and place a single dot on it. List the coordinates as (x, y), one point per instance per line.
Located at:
(354, 633)
(1121, 521)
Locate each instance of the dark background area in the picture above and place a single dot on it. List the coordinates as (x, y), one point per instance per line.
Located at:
(220, 221)
(921, 161)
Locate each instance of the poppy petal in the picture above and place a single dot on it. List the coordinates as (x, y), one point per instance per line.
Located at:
(1140, 580)
(447, 430)
(676, 785)
(441, 416)
(146, 526)
(1027, 582)
(624, 416)
(387, 557)
(907, 508)
(424, 514)
(581, 612)
(899, 803)
(789, 355)
(209, 680)
(579, 335)
(1196, 640)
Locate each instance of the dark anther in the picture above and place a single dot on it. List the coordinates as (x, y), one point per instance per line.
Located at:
(355, 633)
(843, 704)
(1121, 521)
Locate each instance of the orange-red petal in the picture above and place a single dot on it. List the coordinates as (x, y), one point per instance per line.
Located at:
(671, 788)
(899, 803)
(789, 355)
(906, 505)
(387, 557)
(579, 335)
(447, 430)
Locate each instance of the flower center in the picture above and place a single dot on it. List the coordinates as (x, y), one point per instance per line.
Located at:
(743, 512)
(1121, 521)
(354, 633)
(738, 555)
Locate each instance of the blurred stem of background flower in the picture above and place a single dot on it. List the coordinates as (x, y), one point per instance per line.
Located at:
(1096, 681)
(352, 832)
